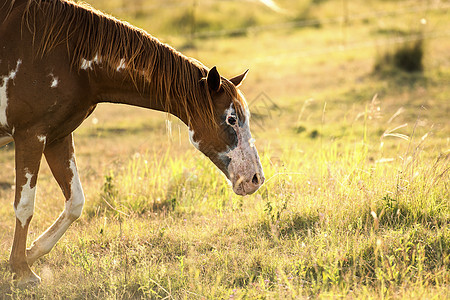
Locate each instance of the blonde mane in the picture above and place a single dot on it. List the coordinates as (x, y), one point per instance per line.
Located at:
(88, 33)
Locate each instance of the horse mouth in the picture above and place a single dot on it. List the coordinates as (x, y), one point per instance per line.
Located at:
(244, 187)
(239, 190)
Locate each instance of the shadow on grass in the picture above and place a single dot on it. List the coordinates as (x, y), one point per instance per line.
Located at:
(5, 185)
(393, 215)
(297, 224)
(6, 283)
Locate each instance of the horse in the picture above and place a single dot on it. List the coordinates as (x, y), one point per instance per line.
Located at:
(58, 60)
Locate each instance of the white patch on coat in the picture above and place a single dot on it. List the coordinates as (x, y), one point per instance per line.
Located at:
(3, 93)
(13, 73)
(191, 139)
(25, 207)
(97, 60)
(54, 82)
(121, 65)
(88, 64)
(42, 138)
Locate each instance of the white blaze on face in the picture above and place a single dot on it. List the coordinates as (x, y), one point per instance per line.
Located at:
(25, 207)
(3, 92)
(244, 160)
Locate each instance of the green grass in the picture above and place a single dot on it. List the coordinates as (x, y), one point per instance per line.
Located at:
(356, 199)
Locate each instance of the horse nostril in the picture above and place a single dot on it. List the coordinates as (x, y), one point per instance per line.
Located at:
(255, 179)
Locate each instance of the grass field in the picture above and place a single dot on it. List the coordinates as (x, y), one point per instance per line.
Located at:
(356, 159)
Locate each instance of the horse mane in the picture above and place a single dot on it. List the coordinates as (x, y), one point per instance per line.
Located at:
(89, 33)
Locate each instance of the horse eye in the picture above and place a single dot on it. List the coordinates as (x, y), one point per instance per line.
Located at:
(231, 120)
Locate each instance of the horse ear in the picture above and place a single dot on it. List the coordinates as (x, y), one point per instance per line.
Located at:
(213, 80)
(238, 79)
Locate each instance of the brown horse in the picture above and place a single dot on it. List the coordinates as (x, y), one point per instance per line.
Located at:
(58, 60)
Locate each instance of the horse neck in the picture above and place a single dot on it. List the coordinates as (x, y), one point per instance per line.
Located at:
(6, 7)
(123, 64)
(118, 86)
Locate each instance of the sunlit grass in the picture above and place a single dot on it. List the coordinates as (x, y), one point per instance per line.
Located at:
(338, 218)
(341, 217)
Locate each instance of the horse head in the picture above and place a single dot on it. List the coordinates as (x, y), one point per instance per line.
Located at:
(229, 144)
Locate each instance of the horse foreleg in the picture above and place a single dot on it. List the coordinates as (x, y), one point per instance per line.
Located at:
(28, 158)
(61, 159)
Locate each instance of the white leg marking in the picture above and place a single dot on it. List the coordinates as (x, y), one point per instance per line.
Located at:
(3, 95)
(25, 207)
(72, 211)
(74, 205)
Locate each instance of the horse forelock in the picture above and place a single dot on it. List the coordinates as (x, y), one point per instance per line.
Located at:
(89, 33)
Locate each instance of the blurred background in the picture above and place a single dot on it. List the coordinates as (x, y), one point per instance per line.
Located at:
(306, 55)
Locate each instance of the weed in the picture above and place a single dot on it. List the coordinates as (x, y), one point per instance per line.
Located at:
(407, 57)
